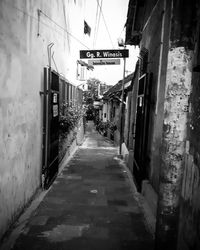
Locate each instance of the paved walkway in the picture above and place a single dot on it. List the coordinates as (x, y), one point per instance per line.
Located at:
(92, 205)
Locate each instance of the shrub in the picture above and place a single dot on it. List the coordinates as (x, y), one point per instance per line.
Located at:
(69, 117)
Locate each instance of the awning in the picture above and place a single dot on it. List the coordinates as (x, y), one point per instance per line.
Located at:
(117, 88)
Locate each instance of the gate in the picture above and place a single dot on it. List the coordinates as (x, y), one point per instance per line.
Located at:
(50, 127)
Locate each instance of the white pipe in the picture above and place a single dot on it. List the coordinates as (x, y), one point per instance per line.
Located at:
(160, 57)
(121, 111)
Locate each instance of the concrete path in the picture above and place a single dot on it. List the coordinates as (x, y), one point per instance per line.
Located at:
(92, 205)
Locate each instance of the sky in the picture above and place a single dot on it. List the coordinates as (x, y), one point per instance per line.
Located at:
(111, 27)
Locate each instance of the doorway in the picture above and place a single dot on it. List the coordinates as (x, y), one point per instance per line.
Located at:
(50, 127)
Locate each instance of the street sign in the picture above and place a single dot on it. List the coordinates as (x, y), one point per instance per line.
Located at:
(104, 62)
(90, 54)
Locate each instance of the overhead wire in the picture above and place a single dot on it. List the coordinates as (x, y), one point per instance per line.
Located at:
(99, 18)
(36, 19)
(63, 28)
(98, 22)
(95, 27)
(105, 23)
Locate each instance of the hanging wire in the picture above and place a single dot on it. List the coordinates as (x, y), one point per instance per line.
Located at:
(105, 23)
(63, 28)
(99, 18)
(95, 27)
(98, 22)
(38, 20)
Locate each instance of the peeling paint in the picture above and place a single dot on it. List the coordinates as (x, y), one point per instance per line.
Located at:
(176, 103)
(178, 88)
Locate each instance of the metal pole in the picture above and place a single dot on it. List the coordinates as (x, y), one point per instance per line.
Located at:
(122, 104)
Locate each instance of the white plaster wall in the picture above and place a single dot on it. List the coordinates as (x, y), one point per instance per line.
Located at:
(23, 55)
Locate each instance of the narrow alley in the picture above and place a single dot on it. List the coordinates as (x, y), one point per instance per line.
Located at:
(92, 204)
(100, 124)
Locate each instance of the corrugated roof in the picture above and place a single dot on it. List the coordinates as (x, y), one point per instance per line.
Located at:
(118, 87)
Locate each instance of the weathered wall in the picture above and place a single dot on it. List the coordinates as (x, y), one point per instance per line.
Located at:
(189, 228)
(178, 88)
(152, 41)
(179, 153)
(189, 235)
(174, 147)
(23, 55)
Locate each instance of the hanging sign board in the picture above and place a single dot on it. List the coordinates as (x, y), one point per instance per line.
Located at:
(91, 54)
(104, 62)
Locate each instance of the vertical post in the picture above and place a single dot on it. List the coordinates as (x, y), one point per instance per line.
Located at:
(47, 98)
(121, 111)
(45, 127)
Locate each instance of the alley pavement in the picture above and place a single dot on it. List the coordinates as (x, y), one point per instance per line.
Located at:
(92, 205)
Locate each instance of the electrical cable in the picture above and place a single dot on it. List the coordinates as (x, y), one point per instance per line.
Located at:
(36, 19)
(105, 23)
(99, 17)
(95, 27)
(62, 28)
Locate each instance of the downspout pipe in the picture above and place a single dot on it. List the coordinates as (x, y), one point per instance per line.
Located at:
(49, 47)
(122, 104)
(47, 122)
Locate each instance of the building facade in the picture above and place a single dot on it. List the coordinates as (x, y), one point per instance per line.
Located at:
(34, 35)
(165, 144)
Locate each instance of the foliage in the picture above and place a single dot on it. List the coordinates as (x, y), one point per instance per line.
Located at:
(103, 127)
(69, 117)
(112, 126)
(96, 88)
